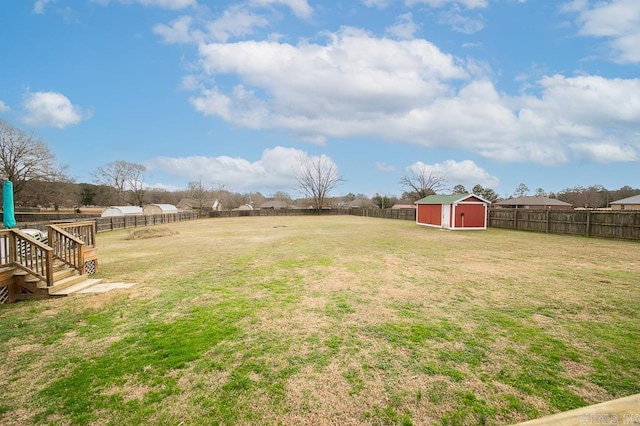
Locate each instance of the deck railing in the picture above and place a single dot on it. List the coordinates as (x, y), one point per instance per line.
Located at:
(70, 241)
(22, 251)
(85, 231)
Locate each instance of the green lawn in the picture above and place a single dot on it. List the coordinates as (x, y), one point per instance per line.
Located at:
(329, 320)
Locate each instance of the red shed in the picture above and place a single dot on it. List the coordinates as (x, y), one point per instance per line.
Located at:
(458, 211)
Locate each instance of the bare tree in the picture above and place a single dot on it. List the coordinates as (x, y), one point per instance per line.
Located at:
(317, 177)
(135, 183)
(122, 176)
(579, 196)
(23, 157)
(198, 193)
(422, 182)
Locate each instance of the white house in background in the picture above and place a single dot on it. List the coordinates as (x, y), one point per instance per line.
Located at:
(122, 211)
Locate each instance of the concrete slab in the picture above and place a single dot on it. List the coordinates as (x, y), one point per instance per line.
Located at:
(104, 287)
(622, 411)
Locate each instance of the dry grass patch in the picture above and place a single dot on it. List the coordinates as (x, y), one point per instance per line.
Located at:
(151, 232)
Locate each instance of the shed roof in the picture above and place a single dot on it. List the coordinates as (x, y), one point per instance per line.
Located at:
(166, 208)
(532, 201)
(192, 202)
(631, 200)
(274, 204)
(122, 211)
(448, 199)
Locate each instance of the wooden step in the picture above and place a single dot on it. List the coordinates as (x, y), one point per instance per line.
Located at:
(29, 286)
(62, 273)
(59, 275)
(74, 288)
(59, 286)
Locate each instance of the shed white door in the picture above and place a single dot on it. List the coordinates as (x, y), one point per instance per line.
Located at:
(446, 215)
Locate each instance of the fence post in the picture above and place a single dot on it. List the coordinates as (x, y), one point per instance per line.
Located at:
(588, 222)
(547, 219)
(515, 218)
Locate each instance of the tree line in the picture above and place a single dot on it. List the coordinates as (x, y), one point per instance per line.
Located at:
(39, 182)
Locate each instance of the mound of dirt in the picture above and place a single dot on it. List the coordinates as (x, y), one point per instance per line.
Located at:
(144, 233)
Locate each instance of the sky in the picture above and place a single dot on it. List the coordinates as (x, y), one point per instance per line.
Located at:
(234, 94)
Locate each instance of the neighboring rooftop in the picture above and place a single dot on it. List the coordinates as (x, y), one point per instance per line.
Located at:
(631, 200)
(532, 201)
(447, 199)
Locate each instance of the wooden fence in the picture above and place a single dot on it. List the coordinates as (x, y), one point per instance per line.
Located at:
(404, 214)
(590, 223)
(400, 214)
(278, 212)
(104, 224)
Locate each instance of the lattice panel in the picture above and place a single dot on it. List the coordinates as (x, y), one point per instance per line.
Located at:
(90, 267)
(4, 294)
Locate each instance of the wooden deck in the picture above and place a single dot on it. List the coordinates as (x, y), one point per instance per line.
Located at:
(33, 267)
(623, 411)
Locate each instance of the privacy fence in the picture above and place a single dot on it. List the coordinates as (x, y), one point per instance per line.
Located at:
(590, 223)
(382, 213)
(278, 212)
(113, 223)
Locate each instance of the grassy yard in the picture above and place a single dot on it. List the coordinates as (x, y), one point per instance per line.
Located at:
(329, 320)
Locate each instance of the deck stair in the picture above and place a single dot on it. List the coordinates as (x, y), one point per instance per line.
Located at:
(38, 266)
(66, 280)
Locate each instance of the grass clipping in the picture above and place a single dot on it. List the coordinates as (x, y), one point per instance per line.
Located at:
(146, 233)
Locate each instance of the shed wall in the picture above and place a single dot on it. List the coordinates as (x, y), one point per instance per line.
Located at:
(430, 214)
(149, 210)
(473, 215)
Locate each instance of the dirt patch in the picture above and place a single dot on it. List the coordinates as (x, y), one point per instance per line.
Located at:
(146, 233)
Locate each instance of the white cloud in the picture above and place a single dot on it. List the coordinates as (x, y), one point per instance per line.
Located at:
(40, 5)
(404, 28)
(51, 109)
(466, 172)
(606, 152)
(169, 4)
(313, 85)
(379, 4)
(179, 32)
(300, 8)
(460, 22)
(592, 100)
(236, 21)
(385, 168)
(470, 4)
(164, 4)
(574, 6)
(616, 20)
(4, 107)
(409, 91)
(276, 169)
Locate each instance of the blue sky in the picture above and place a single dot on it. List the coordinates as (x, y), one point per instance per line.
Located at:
(233, 94)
